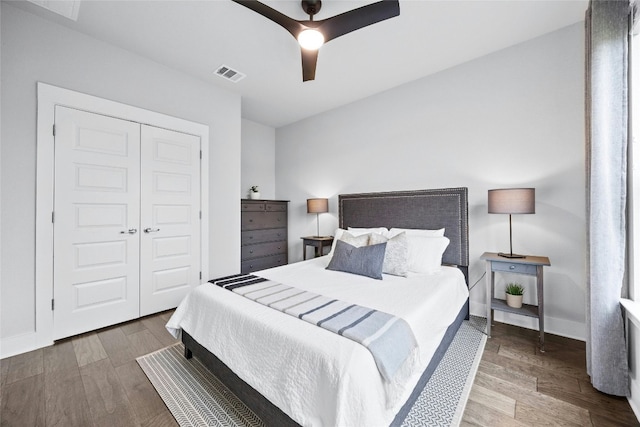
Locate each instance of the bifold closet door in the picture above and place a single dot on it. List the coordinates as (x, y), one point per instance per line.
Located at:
(170, 218)
(95, 221)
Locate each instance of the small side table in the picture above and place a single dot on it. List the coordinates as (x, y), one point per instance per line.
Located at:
(318, 242)
(529, 265)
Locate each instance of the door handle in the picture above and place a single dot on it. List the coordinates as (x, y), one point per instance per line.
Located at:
(151, 230)
(130, 231)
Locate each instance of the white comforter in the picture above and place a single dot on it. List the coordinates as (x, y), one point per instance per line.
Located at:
(317, 377)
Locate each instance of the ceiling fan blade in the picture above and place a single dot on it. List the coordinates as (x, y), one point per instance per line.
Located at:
(309, 60)
(291, 25)
(355, 19)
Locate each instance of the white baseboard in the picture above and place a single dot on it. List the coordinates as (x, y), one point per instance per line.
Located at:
(562, 327)
(635, 407)
(22, 343)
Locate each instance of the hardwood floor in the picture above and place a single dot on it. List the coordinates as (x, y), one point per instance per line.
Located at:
(516, 385)
(89, 380)
(94, 380)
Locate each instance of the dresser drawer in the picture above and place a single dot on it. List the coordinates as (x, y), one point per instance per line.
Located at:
(252, 207)
(275, 207)
(263, 249)
(262, 263)
(261, 236)
(260, 220)
(514, 268)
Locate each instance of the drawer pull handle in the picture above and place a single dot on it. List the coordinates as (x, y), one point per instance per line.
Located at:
(512, 267)
(250, 252)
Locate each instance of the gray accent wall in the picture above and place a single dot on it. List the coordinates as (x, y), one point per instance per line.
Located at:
(36, 50)
(509, 119)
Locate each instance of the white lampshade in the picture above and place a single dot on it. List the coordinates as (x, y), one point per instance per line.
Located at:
(512, 201)
(310, 39)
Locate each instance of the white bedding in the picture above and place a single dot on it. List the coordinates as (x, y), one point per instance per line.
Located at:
(316, 377)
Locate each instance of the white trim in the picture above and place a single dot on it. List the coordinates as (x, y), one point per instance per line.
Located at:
(48, 97)
(632, 310)
(632, 322)
(552, 325)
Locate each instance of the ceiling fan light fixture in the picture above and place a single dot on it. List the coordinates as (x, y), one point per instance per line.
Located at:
(310, 39)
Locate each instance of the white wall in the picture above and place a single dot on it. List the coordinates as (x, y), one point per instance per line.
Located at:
(512, 118)
(37, 50)
(258, 159)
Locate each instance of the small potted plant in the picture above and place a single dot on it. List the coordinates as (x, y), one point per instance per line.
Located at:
(254, 192)
(514, 295)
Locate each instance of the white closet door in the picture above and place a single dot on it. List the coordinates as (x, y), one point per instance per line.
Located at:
(170, 218)
(96, 236)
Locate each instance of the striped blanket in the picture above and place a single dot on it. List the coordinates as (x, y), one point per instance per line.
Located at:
(389, 338)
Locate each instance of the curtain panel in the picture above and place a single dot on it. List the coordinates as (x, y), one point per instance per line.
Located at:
(607, 115)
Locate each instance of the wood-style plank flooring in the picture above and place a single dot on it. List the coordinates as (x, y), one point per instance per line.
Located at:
(89, 380)
(94, 380)
(517, 385)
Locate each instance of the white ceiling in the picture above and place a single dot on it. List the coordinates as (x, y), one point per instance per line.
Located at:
(198, 36)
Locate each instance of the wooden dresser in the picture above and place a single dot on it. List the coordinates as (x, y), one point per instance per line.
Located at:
(263, 234)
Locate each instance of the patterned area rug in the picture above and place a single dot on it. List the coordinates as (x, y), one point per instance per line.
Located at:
(196, 397)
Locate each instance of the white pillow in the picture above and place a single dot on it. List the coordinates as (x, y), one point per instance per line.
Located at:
(336, 236)
(416, 232)
(358, 241)
(340, 233)
(425, 253)
(358, 231)
(396, 260)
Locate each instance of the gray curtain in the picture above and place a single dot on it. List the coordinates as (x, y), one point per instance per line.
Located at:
(607, 111)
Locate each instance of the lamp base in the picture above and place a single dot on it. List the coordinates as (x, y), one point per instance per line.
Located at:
(510, 255)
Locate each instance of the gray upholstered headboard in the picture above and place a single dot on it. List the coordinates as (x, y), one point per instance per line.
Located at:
(426, 209)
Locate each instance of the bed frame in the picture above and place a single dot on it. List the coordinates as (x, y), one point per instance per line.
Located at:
(424, 209)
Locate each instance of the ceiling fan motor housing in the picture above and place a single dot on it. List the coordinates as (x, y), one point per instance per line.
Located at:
(311, 7)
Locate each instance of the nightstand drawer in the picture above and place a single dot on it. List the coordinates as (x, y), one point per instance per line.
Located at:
(262, 263)
(263, 249)
(262, 236)
(514, 268)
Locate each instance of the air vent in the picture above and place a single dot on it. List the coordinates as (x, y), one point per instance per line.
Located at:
(229, 73)
(67, 8)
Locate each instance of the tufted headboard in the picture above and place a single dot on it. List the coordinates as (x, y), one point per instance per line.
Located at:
(425, 209)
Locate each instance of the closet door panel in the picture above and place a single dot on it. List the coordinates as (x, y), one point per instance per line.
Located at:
(170, 218)
(96, 208)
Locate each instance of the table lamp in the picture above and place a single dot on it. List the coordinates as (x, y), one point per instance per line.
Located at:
(512, 201)
(317, 206)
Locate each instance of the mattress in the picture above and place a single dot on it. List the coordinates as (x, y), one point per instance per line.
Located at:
(316, 377)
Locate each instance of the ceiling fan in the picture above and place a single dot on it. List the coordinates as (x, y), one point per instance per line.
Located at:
(313, 34)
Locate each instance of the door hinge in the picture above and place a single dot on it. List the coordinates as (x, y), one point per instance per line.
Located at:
(52, 304)
(54, 130)
(201, 275)
(200, 214)
(53, 217)
(200, 154)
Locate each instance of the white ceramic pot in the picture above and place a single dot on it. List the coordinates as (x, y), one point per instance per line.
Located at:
(514, 301)
(254, 195)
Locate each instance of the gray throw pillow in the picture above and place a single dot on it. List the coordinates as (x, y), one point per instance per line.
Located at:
(365, 261)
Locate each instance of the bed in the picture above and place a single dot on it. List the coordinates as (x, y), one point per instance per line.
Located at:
(290, 372)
